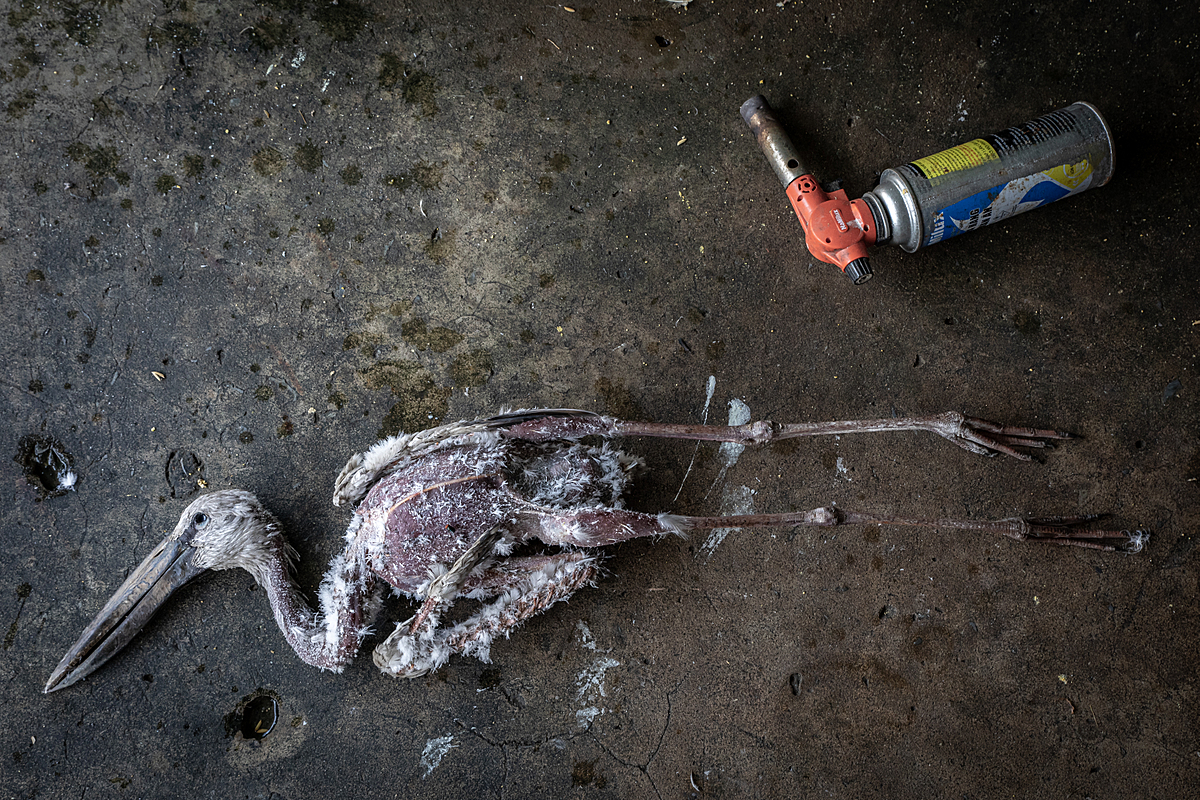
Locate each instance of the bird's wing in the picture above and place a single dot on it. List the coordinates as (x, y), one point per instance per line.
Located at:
(507, 419)
(364, 470)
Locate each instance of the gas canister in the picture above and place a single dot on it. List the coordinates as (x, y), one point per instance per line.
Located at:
(934, 198)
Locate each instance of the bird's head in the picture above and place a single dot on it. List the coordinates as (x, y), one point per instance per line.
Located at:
(230, 529)
(220, 530)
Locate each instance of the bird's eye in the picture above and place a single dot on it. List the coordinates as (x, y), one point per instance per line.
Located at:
(200, 520)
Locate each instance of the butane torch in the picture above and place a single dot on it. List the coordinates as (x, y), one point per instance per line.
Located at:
(934, 198)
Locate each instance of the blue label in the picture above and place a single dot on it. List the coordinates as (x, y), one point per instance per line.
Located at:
(1009, 199)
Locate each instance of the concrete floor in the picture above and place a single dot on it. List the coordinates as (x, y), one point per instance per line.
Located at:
(240, 242)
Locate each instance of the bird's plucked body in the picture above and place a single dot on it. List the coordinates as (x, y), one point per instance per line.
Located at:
(428, 513)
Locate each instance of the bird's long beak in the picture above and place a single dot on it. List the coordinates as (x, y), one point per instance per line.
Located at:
(166, 569)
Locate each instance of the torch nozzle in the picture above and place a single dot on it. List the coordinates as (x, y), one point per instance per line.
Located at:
(773, 139)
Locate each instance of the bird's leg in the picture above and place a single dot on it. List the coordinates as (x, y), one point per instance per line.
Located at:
(976, 435)
(442, 590)
(527, 586)
(596, 527)
(1069, 531)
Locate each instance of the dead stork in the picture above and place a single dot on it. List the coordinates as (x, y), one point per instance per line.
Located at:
(439, 513)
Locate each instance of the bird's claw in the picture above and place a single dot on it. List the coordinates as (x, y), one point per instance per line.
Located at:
(987, 438)
(1075, 532)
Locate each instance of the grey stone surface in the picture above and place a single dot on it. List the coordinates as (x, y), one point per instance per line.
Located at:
(239, 242)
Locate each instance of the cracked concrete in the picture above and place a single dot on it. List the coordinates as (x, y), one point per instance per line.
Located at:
(241, 241)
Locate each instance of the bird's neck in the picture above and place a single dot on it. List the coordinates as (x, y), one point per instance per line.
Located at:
(329, 637)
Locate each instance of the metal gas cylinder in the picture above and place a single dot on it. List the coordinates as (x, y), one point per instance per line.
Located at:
(986, 180)
(931, 199)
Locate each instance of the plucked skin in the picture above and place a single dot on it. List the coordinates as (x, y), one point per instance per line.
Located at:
(422, 501)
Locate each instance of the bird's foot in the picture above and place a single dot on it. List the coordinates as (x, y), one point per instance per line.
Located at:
(987, 438)
(1076, 532)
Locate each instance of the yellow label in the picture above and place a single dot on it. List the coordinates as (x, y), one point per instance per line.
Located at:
(975, 153)
(1071, 175)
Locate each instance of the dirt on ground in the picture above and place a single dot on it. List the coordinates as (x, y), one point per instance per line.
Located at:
(241, 242)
